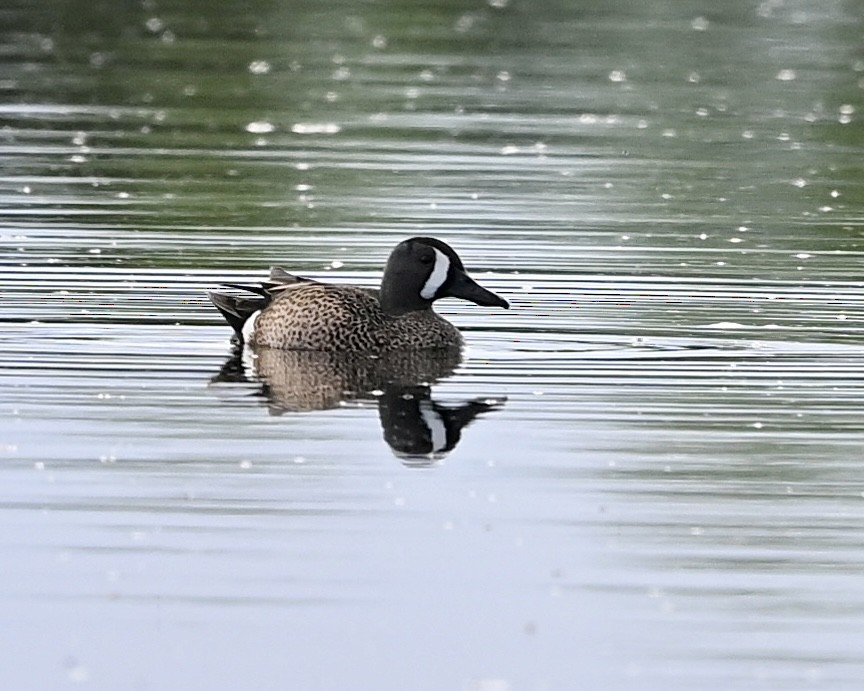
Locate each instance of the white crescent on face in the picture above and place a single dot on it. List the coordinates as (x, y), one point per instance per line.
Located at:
(437, 277)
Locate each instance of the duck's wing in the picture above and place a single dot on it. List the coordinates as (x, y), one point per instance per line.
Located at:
(279, 276)
(238, 309)
(279, 281)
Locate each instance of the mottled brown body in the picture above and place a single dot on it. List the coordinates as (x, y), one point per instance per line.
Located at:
(321, 316)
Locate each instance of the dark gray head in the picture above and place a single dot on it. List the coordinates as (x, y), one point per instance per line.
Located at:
(421, 270)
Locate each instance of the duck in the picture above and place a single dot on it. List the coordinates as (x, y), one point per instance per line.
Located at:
(290, 312)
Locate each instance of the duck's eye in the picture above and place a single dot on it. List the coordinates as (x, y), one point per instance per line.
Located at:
(427, 258)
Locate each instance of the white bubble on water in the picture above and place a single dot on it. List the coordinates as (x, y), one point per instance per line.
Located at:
(260, 67)
(260, 127)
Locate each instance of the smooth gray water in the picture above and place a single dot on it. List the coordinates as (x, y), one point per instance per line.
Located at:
(654, 472)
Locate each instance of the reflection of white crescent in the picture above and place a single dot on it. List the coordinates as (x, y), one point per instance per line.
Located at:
(438, 276)
(437, 429)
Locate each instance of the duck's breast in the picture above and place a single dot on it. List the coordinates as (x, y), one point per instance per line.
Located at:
(423, 330)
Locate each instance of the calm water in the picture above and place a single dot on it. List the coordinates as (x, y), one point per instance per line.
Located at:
(649, 470)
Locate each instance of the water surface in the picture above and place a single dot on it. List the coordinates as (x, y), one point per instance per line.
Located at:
(657, 481)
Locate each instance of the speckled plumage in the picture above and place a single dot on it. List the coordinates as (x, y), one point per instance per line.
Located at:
(321, 316)
(292, 313)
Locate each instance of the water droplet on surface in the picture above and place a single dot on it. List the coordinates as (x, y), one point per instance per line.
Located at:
(494, 684)
(260, 127)
(154, 25)
(315, 128)
(259, 67)
(464, 23)
(76, 672)
(341, 74)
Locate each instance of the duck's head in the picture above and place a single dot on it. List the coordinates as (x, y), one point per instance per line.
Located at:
(421, 270)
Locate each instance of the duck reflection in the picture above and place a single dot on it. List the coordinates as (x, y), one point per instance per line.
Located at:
(418, 429)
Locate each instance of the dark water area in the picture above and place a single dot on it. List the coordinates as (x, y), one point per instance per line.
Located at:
(645, 475)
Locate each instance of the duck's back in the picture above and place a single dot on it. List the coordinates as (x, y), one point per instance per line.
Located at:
(321, 316)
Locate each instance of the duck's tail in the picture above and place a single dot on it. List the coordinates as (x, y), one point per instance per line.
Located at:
(237, 310)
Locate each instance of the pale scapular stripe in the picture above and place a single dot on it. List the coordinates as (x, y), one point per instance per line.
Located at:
(437, 277)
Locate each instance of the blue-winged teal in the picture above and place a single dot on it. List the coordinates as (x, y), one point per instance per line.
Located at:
(296, 313)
